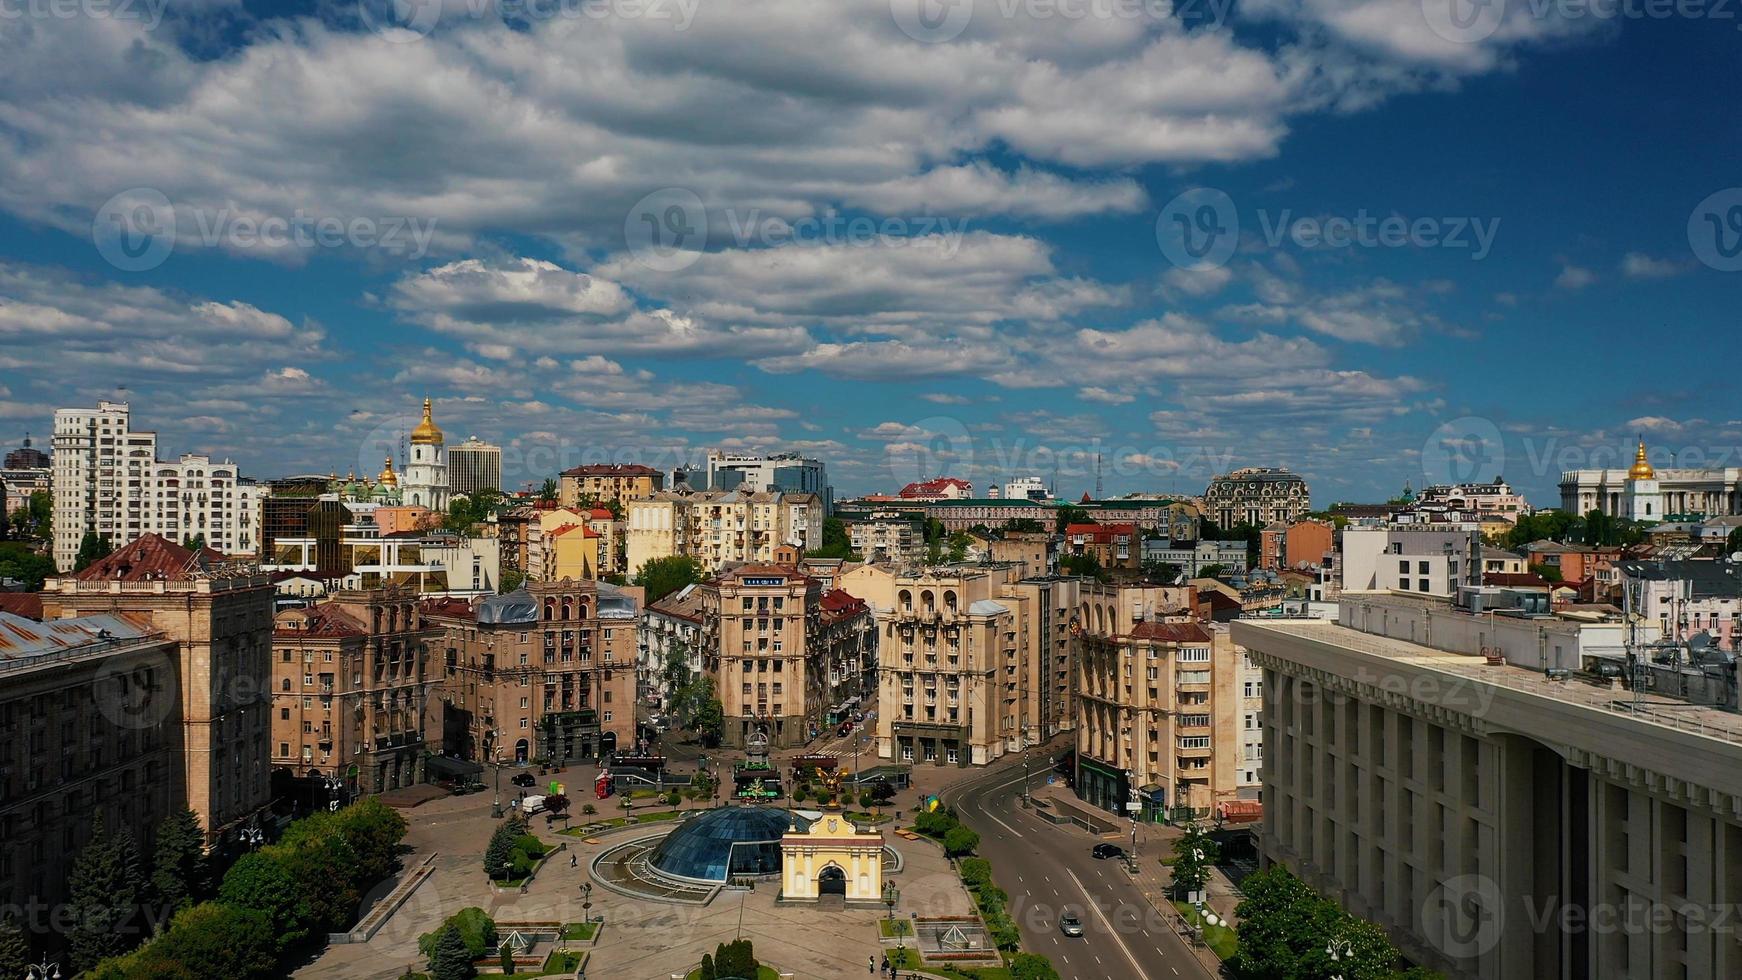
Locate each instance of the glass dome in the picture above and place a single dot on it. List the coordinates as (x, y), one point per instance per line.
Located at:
(723, 843)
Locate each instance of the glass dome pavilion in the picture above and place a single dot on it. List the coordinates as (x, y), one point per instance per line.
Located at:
(726, 843)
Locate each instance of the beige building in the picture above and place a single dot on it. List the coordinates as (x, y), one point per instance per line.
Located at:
(608, 484)
(1495, 820)
(720, 527)
(781, 651)
(973, 660)
(546, 672)
(831, 857)
(1167, 707)
(350, 687)
(217, 616)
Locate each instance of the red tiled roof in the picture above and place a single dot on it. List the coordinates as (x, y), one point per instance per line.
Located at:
(1514, 578)
(1170, 632)
(26, 604)
(151, 556)
(449, 606)
(1240, 811)
(586, 532)
(933, 488)
(600, 514)
(320, 619)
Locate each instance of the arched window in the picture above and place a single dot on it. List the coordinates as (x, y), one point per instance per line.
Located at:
(568, 608)
(549, 609)
(906, 599)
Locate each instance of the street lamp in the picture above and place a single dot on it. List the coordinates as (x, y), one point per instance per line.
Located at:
(252, 836)
(1339, 950)
(46, 970)
(493, 749)
(587, 902)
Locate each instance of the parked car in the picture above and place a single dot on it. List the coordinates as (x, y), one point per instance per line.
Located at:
(845, 729)
(523, 779)
(1070, 925)
(1103, 851)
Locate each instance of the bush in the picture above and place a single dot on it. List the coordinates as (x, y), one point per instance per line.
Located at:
(477, 930)
(976, 872)
(1032, 966)
(520, 866)
(865, 799)
(530, 846)
(589, 809)
(499, 853)
(960, 841)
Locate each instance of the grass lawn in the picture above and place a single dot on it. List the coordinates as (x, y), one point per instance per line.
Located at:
(1221, 939)
(559, 964)
(860, 816)
(763, 972)
(582, 931)
(640, 818)
(909, 959)
(891, 928)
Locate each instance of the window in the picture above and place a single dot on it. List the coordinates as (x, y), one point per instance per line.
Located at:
(523, 724)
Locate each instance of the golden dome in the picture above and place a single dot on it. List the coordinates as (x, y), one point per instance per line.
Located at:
(388, 478)
(426, 433)
(1641, 469)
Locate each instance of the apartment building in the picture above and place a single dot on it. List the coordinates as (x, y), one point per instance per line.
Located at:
(1110, 545)
(357, 545)
(108, 479)
(720, 527)
(545, 672)
(217, 616)
(973, 659)
(1256, 496)
(889, 536)
(607, 483)
(1427, 562)
(1460, 805)
(671, 625)
(1167, 707)
(781, 651)
(351, 683)
(776, 473)
(474, 465)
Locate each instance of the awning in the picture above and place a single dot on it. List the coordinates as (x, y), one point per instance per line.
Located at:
(441, 765)
(1240, 811)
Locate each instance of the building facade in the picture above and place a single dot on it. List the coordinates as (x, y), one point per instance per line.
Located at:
(108, 480)
(780, 656)
(1427, 562)
(720, 527)
(473, 466)
(608, 483)
(1646, 493)
(425, 483)
(546, 672)
(891, 536)
(777, 473)
(351, 688)
(218, 615)
(1256, 496)
(1460, 806)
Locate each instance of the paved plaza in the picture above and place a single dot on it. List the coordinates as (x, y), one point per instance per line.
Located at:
(641, 940)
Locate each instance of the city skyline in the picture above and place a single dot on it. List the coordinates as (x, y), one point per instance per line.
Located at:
(892, 268)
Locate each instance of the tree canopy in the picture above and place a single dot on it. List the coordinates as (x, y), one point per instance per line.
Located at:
(663, 576)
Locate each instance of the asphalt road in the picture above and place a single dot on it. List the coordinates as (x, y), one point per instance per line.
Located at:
(1047, 869)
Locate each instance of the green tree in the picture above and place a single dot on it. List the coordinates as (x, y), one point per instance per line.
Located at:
(323, 868)
(468, 511)
(1213, 570)
(1161, 572)
(1353, 949)
(451, 959)
(506, 957)
(1733, 543)
(193, 542)
(958, 546)
(1024, 524)
(262, 881)
(93, 548)
(1032, 966)
(1085, 564)
(105, 891)
(476, 928)
(1277, 925)
(179, 874)
(512, 579)
(663, 576)
(710, 717)
(547, 491)
(499, 853)
(14, 949)
(960, 841)
(216, 940)
(1194, 854)
(708, 971)
(1069, 514)
(20, 561)
(1548, 573)
(836, 542)
(373, 830)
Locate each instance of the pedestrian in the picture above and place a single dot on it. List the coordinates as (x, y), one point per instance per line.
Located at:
(870, 964)
(574, 860)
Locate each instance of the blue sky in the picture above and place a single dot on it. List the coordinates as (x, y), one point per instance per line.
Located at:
(603, 231)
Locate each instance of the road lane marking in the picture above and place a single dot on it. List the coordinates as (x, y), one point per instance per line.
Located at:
(1107, 924)
(1000, 822)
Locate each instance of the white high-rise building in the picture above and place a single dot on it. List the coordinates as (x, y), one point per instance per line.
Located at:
(425, 483)
(475, 465)
(107, 479)
(1027, 488)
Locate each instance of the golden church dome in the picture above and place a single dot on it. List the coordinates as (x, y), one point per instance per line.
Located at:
(388, 478)
(426, 433)
(1641, 468)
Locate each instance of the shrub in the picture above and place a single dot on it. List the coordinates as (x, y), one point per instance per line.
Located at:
(960, 841)
(589, 809)
(477, 930)
(529, 845)
(976, 872)
(1032, 966)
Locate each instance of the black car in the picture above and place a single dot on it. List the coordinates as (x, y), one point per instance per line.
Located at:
(523, 779)
(1102, 851)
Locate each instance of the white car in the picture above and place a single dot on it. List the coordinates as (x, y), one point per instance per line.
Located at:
(1070, 925)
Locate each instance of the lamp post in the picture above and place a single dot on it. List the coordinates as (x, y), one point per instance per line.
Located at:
(1339, 950)
(494, 750)
(46, 970)
(587, 902)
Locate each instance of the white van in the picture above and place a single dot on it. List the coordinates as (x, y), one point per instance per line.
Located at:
(531, 805)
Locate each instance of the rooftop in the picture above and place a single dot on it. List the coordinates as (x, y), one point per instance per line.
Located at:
(1470, 672)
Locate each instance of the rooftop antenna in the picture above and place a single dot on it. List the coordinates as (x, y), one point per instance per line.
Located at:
(1097, 476)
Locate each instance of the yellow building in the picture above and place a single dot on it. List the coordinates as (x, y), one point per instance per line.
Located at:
(572, 552)
(832, 857)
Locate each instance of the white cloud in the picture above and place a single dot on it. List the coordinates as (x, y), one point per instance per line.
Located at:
(1574, 278)
(1638, 265)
